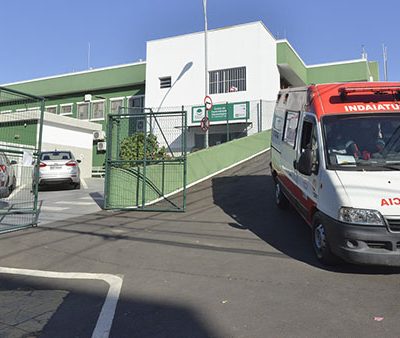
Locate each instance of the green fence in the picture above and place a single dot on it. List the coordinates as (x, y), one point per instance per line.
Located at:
(142, 167)
(21, 121)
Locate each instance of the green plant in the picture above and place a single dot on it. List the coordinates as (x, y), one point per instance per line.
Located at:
(132, 148)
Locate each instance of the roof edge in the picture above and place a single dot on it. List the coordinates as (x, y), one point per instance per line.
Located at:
(74, 73)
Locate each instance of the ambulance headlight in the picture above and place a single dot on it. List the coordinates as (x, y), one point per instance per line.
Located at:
(360, 216)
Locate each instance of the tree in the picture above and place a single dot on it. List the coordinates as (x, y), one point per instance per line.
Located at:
(132, 148)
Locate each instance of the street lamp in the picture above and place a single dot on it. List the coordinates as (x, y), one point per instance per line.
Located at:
(205, 67)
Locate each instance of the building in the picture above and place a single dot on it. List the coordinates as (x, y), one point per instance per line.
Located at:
(246, 68)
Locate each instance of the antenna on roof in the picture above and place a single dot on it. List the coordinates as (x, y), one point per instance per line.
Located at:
(363, 53)
(385, 73)
(364, 56)
(88, 57)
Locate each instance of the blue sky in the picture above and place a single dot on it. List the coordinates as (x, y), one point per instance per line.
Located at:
(50, 37)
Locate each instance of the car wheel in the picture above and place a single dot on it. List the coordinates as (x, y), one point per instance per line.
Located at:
(321, 242)
(77, 185)
(280, 199)
(14, 184)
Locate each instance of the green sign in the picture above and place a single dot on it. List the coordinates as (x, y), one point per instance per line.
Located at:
(222, 112)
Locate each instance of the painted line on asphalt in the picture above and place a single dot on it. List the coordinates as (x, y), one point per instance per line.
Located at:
(75, 203)
(16, 191)
(106, 317)
(84, 184)
(45, 208)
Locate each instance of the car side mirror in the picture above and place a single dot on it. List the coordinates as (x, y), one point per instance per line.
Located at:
(79, 161)
(304, 165)
(13, 162)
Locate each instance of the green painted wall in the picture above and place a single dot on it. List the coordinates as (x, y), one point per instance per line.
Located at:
(19, 132)
(208, 161)
(286, 56)
(107, 94)
(340, 72)
(345, 72)
(85, 81)
(122, 189)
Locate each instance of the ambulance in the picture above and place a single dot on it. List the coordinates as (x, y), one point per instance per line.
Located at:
(335, 157)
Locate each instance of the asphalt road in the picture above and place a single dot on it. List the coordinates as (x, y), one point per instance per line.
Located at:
(232, 265)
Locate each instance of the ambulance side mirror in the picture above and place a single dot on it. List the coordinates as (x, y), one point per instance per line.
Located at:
(304, 164)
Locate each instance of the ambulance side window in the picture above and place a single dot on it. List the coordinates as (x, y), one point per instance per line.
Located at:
(291, 122)
(309, 140)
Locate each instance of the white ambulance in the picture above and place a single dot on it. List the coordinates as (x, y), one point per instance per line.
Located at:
(335, 156)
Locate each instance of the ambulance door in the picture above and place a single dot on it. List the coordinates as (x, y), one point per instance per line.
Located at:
(309, 184)
(287, 175)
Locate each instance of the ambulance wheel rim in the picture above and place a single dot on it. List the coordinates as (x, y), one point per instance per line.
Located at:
(319, 237)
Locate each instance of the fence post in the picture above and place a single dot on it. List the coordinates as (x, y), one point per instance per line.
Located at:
(261, 115)
(227, 122)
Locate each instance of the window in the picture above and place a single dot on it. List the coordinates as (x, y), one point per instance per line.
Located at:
(115, 104)
(51, 109)
(165, 82)
(66, 109)
(137, 103)
(97, 110)
(83, 111)
(227, 80)
(292, 119)
(309, 140)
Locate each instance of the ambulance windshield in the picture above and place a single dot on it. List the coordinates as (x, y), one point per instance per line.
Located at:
(362, 142)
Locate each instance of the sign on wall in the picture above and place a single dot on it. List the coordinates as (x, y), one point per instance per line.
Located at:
(222, 112)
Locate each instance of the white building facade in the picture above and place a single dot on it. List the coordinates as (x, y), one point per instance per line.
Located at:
(242, 71)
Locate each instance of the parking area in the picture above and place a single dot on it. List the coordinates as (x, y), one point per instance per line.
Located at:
(233, 265)
(63, 202)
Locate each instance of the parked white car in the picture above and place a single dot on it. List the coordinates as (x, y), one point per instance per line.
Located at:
(8, 180)
(59, 167)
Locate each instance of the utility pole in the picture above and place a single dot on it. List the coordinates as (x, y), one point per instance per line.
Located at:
(205, 68)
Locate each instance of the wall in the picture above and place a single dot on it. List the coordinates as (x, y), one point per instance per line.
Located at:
(64, 133)
(249, 45)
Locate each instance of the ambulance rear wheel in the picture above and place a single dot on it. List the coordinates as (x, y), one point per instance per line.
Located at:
(321, 243)
(280, 199)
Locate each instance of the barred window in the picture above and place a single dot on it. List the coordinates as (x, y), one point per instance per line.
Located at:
(227, 80)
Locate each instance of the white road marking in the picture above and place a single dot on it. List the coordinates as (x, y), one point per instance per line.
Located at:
(76, 203)
(84, 184)
(16, 191)
(106, 317)
(46, 208)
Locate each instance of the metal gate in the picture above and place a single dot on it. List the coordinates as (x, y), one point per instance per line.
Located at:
(146, 160)
(21, 124)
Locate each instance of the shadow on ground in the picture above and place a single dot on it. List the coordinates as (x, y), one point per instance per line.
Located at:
(78, 313)
(249, 200)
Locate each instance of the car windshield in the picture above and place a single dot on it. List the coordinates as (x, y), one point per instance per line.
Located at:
(55, 156)
(362, 142)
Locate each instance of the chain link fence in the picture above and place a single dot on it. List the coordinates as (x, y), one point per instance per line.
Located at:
(146, 160)
(228, 121)
(21, 121)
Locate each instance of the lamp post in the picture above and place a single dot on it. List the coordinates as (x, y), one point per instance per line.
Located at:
(205, 67)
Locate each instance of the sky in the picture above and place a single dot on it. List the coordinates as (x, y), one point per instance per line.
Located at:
(50, 37)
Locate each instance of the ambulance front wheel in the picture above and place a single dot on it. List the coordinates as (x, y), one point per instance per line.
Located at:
(280, 199)
(321, 242)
